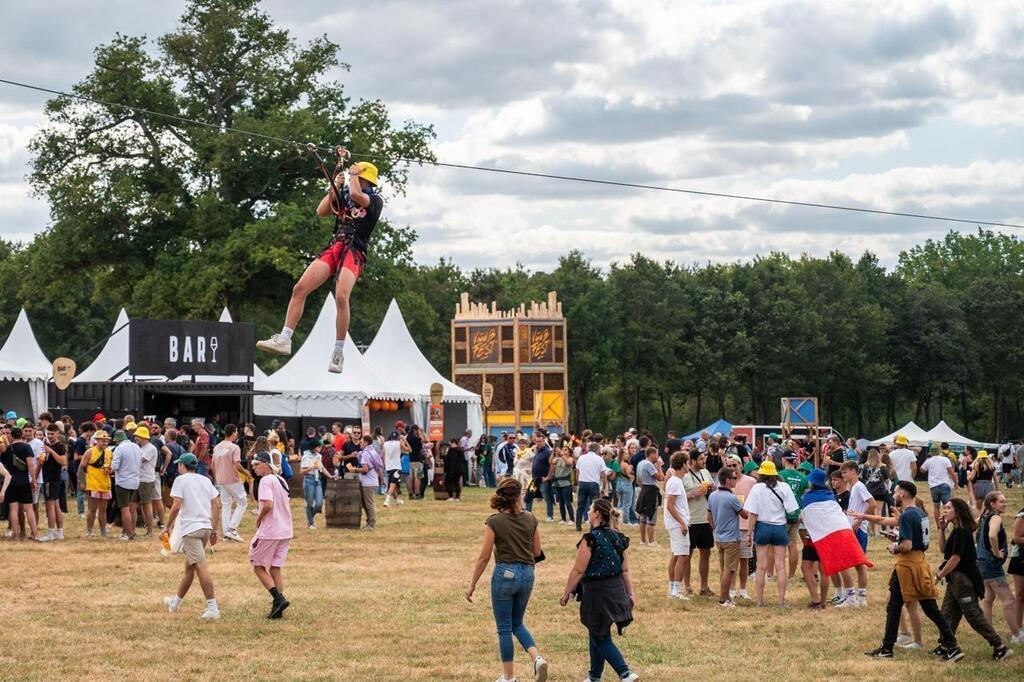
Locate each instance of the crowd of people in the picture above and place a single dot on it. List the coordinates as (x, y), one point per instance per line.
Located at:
(753, 505)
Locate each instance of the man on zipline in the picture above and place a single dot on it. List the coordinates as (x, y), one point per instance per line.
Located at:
(356, 213)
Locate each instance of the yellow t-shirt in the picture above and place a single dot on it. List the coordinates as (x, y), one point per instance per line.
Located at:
(96, 478)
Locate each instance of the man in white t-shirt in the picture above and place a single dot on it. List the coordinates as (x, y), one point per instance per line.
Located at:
(591, 474)
(1006, 459)
(677, 523)
(149, 493)
(861, 502)
(196, 504)
(941, 484)
(904, 461)
(393, 468)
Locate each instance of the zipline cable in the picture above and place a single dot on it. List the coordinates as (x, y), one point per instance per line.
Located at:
(508, 171)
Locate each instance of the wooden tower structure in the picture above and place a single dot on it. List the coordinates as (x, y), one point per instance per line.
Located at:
(521, 354)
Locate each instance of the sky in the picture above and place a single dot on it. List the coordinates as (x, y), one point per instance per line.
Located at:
(903, 106)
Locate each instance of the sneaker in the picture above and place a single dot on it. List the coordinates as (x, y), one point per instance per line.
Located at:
(60, 534)
(276, 344)
(680, 596)
(836, 600)
(727, 604)
(210, 614)
(1018, 638)
(904, 638)
(171, 606)
(233, 535)
(1001, 653)
(816, 606)
(880, 652)
(88, 533)
(81, 516)
(953, 655)
(862, 601)
(277, 610)
(630, 677)
(742, 594)
(561, 523)
(337, 362)
(706, 593)
(312, 527)
(8, 533)
(939, 651)
(126, 538)
(847, 604)
(450, 499)
(911, 646)
(42, 538)
(540, 669)
(399, 501)
(549, 520)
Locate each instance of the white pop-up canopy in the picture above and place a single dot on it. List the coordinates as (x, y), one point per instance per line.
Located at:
(112, 362)
(396, 357)
(914, 433)
(307, 389)
(942, 433)
(22, 360)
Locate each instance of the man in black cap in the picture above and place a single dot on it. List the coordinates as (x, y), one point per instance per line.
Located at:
(269, 547)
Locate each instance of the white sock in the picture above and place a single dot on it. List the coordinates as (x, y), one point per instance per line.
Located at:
(175, 600)
(862, 592)
(286, 333)
(339, 345)
(211, 604)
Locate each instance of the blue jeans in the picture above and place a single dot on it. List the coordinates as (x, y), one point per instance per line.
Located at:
(511, 585)
(489, 477)
(587, 492)
(625, 490)
(314, 498)
(549, 499)
(604, 649)
(564, 495)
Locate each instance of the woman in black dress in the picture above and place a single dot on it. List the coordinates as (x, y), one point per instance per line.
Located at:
(601, 580)
(454, 470)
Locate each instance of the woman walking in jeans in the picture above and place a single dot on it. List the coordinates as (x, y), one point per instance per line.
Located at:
(624, 490)
(513, 536)
(561, 483)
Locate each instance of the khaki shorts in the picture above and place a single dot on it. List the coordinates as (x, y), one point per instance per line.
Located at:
(746, 548)
(148, 492)
(728, 555)
(193, 546)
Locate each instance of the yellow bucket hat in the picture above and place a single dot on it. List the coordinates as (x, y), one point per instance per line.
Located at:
(767, 468)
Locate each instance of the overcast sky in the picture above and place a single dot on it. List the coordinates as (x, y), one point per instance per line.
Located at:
(901, 105)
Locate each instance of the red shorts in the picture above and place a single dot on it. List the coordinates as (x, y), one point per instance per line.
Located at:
(340, 256)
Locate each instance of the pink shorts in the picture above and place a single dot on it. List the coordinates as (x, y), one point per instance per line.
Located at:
(268, 553)
(100, 495)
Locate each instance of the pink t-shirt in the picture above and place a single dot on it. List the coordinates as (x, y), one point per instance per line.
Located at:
(277, 525)
(742, 490)
(225, 455)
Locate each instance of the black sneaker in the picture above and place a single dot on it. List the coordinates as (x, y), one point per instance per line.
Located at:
(939, 651)
(953, 655)
(880, 652)
(277, 610)
(1001, 653)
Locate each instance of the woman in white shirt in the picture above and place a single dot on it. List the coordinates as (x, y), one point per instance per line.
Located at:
(768, 503)
(312, 467)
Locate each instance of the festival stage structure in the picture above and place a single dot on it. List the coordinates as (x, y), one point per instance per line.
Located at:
(517, 358)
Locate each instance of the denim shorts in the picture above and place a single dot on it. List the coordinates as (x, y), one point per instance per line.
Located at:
(770, 534)
(991, 569)
(941, 494)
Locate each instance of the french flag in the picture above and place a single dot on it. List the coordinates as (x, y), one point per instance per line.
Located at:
(830, 532)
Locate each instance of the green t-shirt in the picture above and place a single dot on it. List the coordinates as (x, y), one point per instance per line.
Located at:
(797, 482)
(483, 453)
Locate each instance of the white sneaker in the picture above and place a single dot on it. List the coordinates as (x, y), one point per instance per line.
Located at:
(549, 520)
(862, 601)
(681, 596)
(399, 501)
(631, 677)
(847, 603)
(540, 669)
(904, 639)
(210, 614)
(276, 344)
(337, 362)
(911, 645)
(312, 527)
(1018, 638)
(233, 535)
(387, 501)
(171, 606)
(742, 594)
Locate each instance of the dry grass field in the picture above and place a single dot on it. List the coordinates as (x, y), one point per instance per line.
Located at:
(388, 605)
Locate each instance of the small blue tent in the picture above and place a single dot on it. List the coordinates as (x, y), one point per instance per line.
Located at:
(720, 426)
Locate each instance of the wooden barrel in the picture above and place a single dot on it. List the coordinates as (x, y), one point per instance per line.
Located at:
(440, 492)
(342, 503)
(295, 484)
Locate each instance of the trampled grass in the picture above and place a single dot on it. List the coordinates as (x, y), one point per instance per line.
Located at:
(389, 605)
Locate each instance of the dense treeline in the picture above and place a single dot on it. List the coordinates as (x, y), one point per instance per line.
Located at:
(172, 220)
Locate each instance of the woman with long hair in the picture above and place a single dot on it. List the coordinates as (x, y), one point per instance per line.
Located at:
(624, 488)
(992, 550)
(514, 537)
(982, 480)
(963, 579)
(522, 470)
(875, 477)
(561, 482)
(601, 574)
(768, 503)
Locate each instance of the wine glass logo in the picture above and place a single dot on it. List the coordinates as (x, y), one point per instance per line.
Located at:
(213, 347)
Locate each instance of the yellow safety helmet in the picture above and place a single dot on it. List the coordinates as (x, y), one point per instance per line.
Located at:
(368, 172)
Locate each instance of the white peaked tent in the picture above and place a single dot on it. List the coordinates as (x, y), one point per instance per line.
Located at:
(395, 355)
(306, 389)
(942, 433)
(22, 360)
(914, 433)
(112, 362)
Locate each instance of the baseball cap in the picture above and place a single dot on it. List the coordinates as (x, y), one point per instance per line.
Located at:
(735, 458)
(749, 466)
(189, 460)
(399, 424)
(98, 417)
(393, 435)
(790, 456)
(263, 457)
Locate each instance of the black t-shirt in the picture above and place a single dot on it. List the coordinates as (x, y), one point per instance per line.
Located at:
(51, 467)
(843, 499)
(415, 447)
(714, 464)
(81, 445)
(961, 543)
(358, 222)
(673, 445)
(454, 463)
(349, 451)
(20, 453)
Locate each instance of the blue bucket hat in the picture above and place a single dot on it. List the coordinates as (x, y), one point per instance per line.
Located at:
(817, 478)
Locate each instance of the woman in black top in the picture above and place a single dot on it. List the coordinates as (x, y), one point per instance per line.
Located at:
(964, 583)
(513, 536)
(601, 574)
(454, 470)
